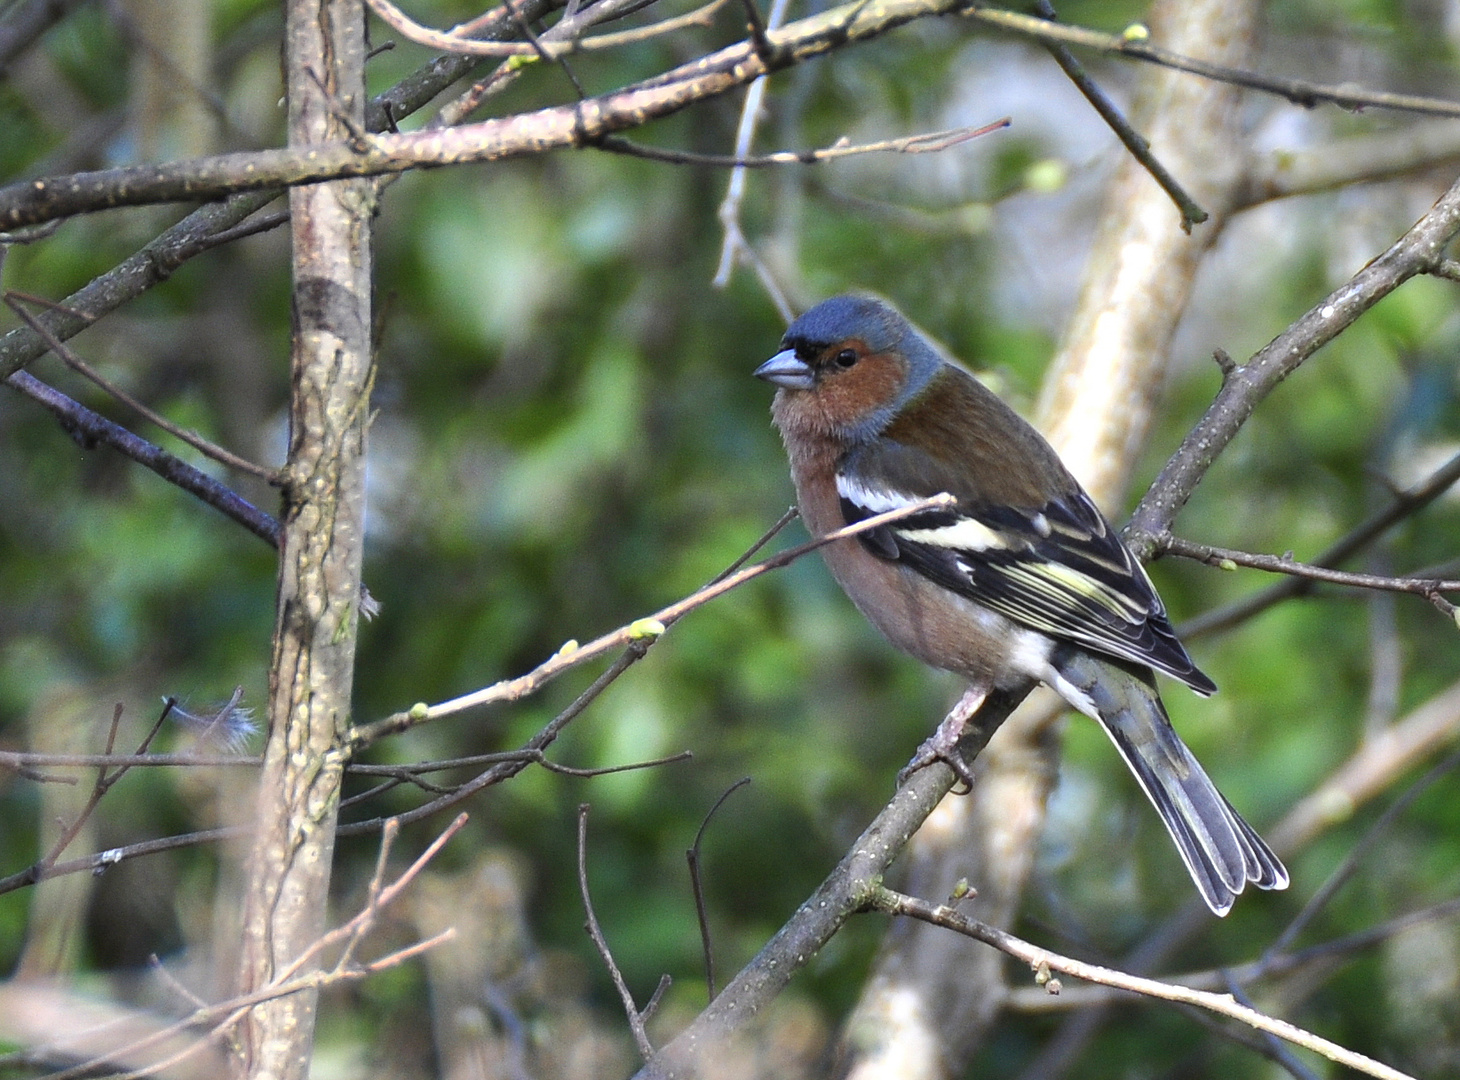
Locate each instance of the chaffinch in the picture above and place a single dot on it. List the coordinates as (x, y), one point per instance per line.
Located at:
(1023, 579)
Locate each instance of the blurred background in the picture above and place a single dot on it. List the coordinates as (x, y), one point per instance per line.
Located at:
(567, 437)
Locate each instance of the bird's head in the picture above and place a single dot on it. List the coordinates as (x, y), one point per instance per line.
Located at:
(847, 367)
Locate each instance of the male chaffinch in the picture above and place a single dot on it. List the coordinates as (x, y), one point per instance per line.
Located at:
(1022, 579)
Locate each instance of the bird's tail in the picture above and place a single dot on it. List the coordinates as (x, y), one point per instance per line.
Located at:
(1221, 851)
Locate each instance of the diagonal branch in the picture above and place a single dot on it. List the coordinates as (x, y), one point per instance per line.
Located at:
(1133, 43)
(1246, 386)
(1230, 559)
(89, 428)
(559, 127)
(634, 633)
(177, 431)
(1042, 961)
(212, 225)
(563, 45)
(1405, 504)
(848, 889)
(1138, 146)
(584, 123)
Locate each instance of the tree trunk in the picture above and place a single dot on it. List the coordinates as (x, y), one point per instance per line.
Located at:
(320, 552)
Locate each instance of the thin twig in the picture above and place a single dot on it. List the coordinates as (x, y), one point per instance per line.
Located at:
(292, 979)
(631, 1010)
(841, 895)
(1415, 252)
(1405, 504)
(1026, 999)
(1271, 1046)
(517, 762)
(215, 223)
(104, 860)
(579, 124)
(27, 759)
(1372, 767)
(1340, 162)
(192, 438)
(538, 47)
(1298, 91)
(1042, 960)
(645, 629)
(52, 305)
(547, 48)
(88, 427)
(657, 997)
(104, 782)
(692, 856)
(1230, 559)
(574, 23)
(735, 243)
(1139, 147)
(536, 757)
(1356, 855)
(411, 774)
(791, 514)
(929, 143)
(373, 890)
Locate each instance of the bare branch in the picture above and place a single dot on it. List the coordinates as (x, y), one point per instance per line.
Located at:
(209, 226)
(1139, 147)
(692, 856)
(515, 763)
(584, 123)
(645, 629)
(928, 143)
(224, 1016)
(1133, 44)
(1356, 855)
(846, 890)
(1417, 251)
(735, 244)
(103, 860)
(547, 48)
(1372, 767)
(25, 759)
(574, 23)
(536, 757)
(631, 1010)
(89, 428)
(1380, 156)
(1404, 505)
(560, 127)
(1230, 559)
(1043, 961)
(192, 438)
(1027, 999)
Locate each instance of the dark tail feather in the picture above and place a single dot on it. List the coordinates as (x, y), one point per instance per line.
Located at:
(1221, 851)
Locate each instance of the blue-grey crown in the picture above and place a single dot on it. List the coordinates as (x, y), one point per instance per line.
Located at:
(874, 321)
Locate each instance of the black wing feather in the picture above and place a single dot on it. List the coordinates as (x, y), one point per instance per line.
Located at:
(1058, 568)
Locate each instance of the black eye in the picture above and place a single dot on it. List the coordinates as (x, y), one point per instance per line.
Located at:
(845, 359)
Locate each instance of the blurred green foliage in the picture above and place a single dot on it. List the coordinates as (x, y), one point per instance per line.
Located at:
(567, 438)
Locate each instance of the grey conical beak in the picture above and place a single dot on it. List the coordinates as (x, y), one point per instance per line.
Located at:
(784, 369)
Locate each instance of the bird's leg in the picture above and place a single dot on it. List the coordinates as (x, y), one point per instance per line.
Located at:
(942, 744)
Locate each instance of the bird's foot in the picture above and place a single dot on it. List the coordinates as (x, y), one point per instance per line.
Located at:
(942, 745)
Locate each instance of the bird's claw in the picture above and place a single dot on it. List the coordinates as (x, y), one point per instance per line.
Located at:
(934, 749)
